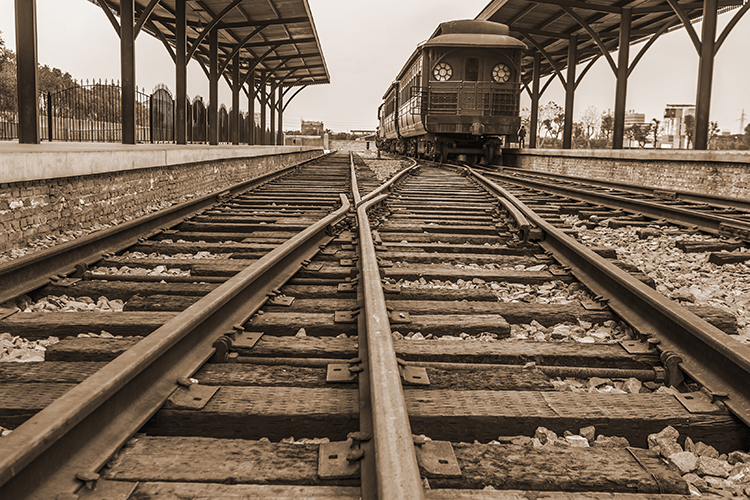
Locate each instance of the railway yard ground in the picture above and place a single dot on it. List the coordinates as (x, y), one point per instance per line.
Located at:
(368, 326)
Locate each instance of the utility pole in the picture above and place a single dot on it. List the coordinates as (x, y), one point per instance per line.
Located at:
(742, 122)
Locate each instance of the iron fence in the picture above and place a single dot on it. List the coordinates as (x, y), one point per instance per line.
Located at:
(93, 112)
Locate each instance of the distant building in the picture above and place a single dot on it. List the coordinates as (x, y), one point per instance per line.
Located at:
(632, 119)
(312, 128)
(674, 134)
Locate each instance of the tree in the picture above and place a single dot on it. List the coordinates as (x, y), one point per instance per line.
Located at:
(746, 137)
(713, 133)
(607, 125)
(689, 124)
(590, 122)
(655, 130)
(551, 117)
(639, 133)
(8, 97)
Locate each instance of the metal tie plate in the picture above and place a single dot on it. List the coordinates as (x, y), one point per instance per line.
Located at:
(347, 287)
(108, 490)
(400, 317)
(281, 300)
(340, 373)
(333, 461)
(636, 347)
(345, 316)
(246, 340)
(437, 459)
(314, 266)
(194, 397)
(697, 402)
(415, 375)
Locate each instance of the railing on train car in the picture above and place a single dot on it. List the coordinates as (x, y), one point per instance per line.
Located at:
(466, 98)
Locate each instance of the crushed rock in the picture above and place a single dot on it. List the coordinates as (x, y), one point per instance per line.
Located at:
(20, 350)
(683, 277)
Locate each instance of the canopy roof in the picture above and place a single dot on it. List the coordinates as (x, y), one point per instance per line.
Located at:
(546, 25)
(280, 32)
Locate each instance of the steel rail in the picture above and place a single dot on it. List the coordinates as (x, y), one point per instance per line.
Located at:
(711, 357)
(710, 222)
(396, 467)
(522, 223)
(81, 430)
(32, 271)
(387, 185)
(688, 196)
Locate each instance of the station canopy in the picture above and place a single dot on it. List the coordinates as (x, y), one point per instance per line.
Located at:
(280, 34)
(546, 25)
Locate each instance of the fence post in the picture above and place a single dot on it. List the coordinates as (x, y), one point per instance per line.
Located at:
(49, 116)
(151, 118)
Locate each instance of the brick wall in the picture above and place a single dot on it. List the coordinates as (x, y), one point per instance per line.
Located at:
(707, 172)
(34, 209)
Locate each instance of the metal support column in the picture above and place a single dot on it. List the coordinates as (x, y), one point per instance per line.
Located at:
(623, 59)
(262, 101)
(213, 87)
(280, 105)
(236, 99)
(26, 72)
(127, 70)
(181, 73)
(705, 74)
(251, 109)
(272, 109)
(570, 89)
(534, 119)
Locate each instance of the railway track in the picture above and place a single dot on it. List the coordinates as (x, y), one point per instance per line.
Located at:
(412, 353)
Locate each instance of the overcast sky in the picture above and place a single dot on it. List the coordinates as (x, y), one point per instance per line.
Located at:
(365, 44)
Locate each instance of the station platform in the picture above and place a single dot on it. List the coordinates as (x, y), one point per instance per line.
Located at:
(54, 160)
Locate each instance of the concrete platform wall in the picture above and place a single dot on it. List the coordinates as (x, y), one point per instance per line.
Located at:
(37, 208)
(718, 173)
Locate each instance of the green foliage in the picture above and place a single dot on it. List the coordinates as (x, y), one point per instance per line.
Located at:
(640, 133)
(607, 125)
(8, 98)
(689, 129)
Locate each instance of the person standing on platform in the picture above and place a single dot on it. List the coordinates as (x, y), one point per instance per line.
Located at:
(521, 136)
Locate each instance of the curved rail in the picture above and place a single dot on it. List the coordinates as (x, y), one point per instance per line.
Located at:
(81, 430)
(32, 271)
(396, 469)
(711, 222)
(522, 223)
(386, 186)
(711, 357)
(688, 196)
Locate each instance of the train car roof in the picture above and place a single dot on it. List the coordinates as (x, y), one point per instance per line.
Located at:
(471, 33)
(464, 33)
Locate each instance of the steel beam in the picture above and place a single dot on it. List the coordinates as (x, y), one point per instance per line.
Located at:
(280, 107)
(272, 110)
(623, 57)
(263, 102)
(705, 74)
(534, 119)
(236, 99)
(570, 90)
(213, 88)
(251, 108)
(181, 73)
(26, 72)
(127, 70)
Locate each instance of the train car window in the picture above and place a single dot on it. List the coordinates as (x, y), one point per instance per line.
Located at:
(442, 72)
(472, 69)
(501, 73)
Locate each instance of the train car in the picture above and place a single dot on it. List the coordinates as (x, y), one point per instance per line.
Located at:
(458, 95)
